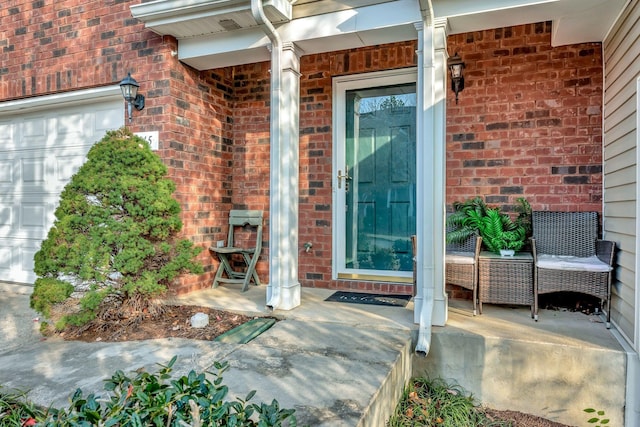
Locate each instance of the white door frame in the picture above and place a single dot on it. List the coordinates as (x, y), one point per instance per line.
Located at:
(340, 86)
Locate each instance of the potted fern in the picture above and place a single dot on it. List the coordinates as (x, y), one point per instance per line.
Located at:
(499, 233)
(459, 228)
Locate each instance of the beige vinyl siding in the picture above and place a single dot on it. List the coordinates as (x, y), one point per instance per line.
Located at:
(622, 69)
(621, 130)
(617, 194)
(620, 178)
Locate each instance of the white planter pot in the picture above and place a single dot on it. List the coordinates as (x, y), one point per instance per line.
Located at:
(507, 252)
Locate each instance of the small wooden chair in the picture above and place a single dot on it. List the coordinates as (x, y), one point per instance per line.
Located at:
(239, 220)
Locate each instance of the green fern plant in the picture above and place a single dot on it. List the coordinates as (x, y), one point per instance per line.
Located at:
(497, 229)
(459, 229)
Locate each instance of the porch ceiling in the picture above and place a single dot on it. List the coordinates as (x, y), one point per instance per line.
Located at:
(574, 21)
(219, 33)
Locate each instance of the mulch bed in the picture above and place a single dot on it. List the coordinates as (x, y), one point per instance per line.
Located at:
(172, 321)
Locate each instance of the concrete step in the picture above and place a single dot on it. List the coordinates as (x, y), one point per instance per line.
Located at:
(346, 364)
(334, 373)
(553, 368)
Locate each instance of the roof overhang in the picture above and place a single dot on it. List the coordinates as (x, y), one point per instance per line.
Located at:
(191, 18)
(220, 33)
(345, 29)
(573, 21)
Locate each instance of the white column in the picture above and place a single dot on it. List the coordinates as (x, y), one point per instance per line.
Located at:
(431, 300)
(283, 291)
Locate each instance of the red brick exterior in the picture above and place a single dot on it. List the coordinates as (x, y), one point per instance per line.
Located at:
(50, 48)
(528, 122)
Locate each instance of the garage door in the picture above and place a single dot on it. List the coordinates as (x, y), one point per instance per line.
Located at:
(39, 152)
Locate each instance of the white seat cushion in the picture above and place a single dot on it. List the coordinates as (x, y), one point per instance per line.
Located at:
(459, 258)
(561, 262)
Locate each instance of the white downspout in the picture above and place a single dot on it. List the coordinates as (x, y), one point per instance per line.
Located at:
(431, 300)
(424, 293)
(274, 297)
(425, 288)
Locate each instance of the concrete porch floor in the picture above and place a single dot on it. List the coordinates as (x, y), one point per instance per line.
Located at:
(555, 367)
(344, 364)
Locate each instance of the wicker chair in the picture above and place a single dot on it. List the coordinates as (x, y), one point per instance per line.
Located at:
(568, 256)
(461, 265)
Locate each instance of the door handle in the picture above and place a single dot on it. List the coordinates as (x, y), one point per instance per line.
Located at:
(345, 176)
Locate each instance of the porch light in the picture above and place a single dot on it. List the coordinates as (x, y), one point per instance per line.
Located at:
(129, 87)
(456, 65)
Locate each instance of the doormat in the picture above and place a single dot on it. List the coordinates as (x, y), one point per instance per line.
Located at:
(372, 299)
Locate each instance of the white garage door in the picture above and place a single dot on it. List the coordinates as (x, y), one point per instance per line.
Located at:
(39, 152)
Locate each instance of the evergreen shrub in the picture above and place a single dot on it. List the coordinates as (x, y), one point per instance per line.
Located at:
(115, 235)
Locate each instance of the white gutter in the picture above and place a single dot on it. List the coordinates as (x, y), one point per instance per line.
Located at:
(274, 297)
(105, 93)
(427, 136)
(423, 345)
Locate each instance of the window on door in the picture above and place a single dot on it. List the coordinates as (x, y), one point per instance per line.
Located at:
(375, 177)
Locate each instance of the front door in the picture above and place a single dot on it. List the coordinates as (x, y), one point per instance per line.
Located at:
(376, 179)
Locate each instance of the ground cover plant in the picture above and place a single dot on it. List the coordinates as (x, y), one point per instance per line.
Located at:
(16, 410)
(151, 399)
(427, 402)
(435, 402)
(114, 245)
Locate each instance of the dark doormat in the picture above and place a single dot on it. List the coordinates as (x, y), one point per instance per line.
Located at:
(372, 299)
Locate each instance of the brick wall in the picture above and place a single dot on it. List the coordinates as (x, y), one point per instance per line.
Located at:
(529, 121)
(196, 122)
(58, 46)
(527, 124)
(250, 165)
(52, 47)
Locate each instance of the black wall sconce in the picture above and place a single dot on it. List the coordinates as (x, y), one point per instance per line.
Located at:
(456, 65)
(129, 87)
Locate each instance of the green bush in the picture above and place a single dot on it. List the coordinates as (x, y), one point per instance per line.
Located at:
(48, 291)
(115, 233)
(152, 399)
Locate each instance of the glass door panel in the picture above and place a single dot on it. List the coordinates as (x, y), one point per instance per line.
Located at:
(379, 179)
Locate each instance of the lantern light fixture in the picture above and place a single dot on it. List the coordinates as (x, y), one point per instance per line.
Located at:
(129, 87)
(456, 65)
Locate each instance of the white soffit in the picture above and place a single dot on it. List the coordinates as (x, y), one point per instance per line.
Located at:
(574, 21)
(344, 29)
(220, 33)
(189, 18)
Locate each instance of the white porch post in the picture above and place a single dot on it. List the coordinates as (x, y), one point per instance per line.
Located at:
(431, 302)
(283, 291)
